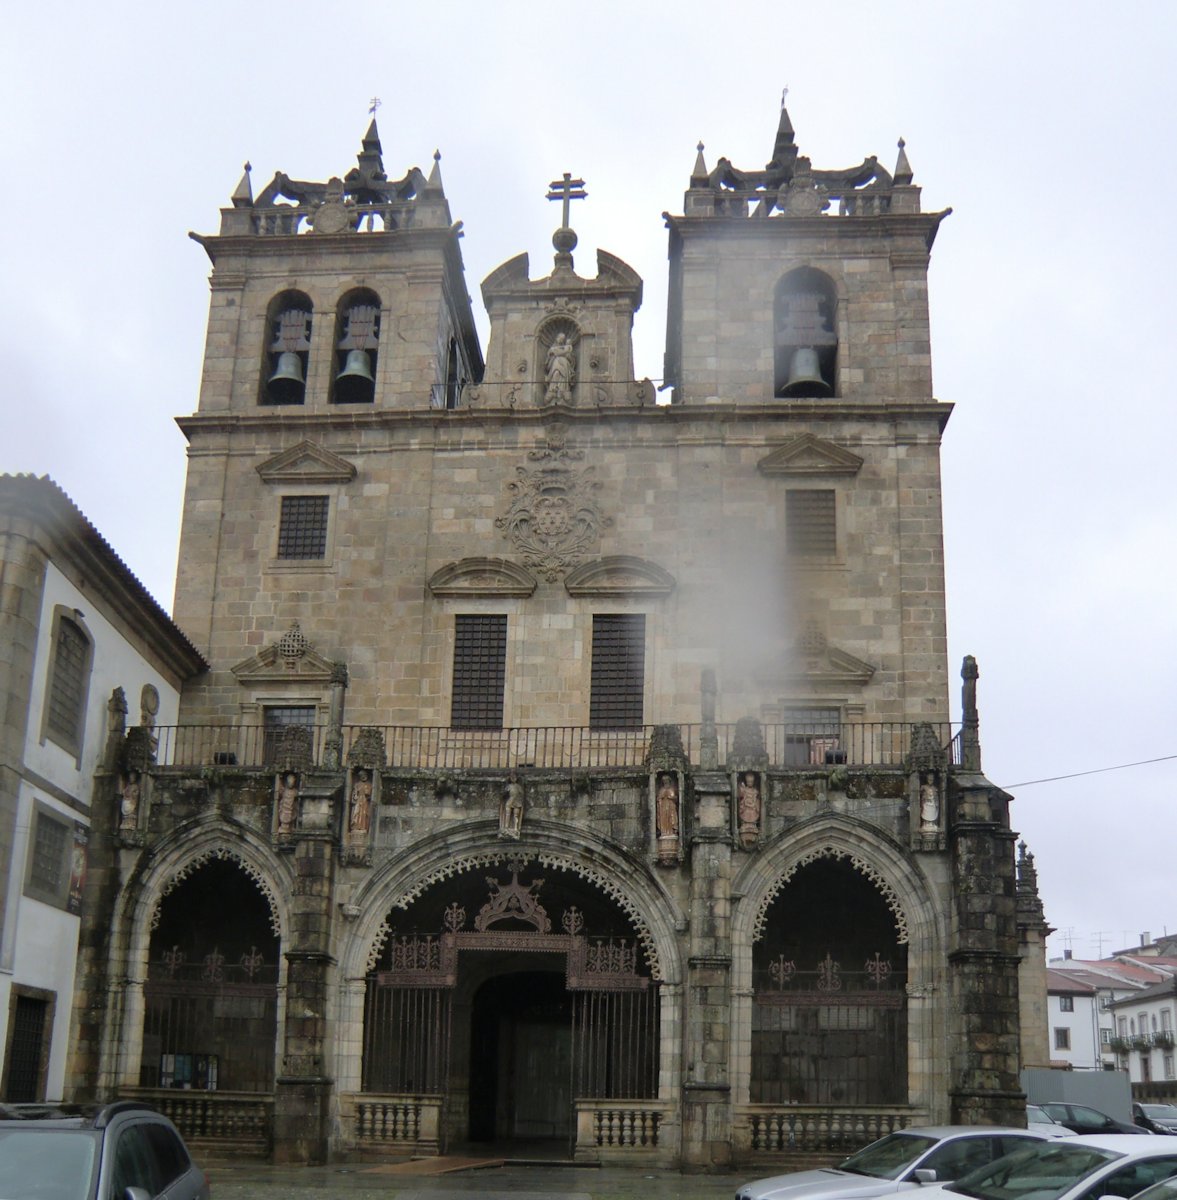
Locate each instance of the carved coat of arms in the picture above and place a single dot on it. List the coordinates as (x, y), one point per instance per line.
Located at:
(553, 519)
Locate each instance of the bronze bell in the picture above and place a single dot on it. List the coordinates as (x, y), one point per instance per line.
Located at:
(805, 378)
(286, 384)
(356, 381)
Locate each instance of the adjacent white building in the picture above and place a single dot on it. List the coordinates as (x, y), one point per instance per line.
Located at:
(1144, 1032)
(75, 625)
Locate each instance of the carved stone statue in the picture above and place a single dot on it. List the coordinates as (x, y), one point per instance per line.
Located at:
(929, 804)
(666, 803)
(129, 803)
(559, 374)
(748, 808)
(511, 808)
(359, 814)
(287, 803)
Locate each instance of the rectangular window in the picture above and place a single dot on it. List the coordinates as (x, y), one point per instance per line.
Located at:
(68, 684)
(1168, 1066)
(302, 529)
(277, 719)
(480, 672)
(1066, 1004)
(1167, 1019)
(1105, 1037)
(55, 866)
(1062, 1039)
(810, 522)
(812, 737)
(618, 671)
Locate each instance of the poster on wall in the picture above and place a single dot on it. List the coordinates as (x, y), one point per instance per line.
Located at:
(77, 869)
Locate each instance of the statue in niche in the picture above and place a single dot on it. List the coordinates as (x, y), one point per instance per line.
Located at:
(359, 813)
(666, 805)
(511, 808)
(929, 803)
(748, 807)
(287, 803)
(129, 801)
(558, 372)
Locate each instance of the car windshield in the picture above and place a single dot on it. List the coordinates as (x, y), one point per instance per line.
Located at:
(889, 1157)
(40, 1163)
(1040, 1172)
(1035, 1113)
(1165, 1112)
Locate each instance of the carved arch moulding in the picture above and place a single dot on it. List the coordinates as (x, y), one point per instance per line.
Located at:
(482, 577)
(306, 463)
(807, 454)
(619, 575)
(888, 893)
(544, 859)
(221, 854)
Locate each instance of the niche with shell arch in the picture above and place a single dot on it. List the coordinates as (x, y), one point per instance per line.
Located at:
(557, 373)
(357, 339)
(805, 335)
(287, 349)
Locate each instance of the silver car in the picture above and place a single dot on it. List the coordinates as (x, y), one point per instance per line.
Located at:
(123, 1151)
(896, 1163)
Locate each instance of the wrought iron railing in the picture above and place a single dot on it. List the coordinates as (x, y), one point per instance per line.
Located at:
(798, 746)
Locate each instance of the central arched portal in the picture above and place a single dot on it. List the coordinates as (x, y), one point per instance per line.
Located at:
(512, 992)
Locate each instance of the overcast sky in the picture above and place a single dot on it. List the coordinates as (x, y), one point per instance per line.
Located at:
(1048, 127)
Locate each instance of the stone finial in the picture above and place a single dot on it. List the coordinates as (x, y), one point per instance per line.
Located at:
(747, 749)
(784, 149)
(1028, 901)
(666, 748)
(434, 184)
(902, 174)
(243, 193)
(969, 674)
(700, 172)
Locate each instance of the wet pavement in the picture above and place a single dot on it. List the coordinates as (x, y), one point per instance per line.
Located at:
(461, 1179)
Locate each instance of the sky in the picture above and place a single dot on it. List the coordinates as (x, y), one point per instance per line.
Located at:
(1047, 127)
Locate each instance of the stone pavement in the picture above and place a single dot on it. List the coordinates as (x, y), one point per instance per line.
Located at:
(432, 1180)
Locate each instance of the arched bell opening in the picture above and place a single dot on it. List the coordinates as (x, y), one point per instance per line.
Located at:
(805, 335)
(287, 350)
(512, 993)
(211, 992)
(357, 341)
(829, 1015)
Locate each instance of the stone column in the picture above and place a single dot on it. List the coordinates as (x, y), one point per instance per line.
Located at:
(303, 1090)
(706, 1102)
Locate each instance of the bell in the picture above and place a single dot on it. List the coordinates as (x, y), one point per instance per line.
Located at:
(356, 381)
(805, 377)
(286, 384)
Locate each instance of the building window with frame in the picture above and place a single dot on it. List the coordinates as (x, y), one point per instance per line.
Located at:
(1066, 1004)
(480, 671)
(811, 526)
(1105, 1036)
(68, 684)
(1062, 1039)
(302, 527)
(812, 737)
(277, 719)
(1168, 1066)
(618, 684)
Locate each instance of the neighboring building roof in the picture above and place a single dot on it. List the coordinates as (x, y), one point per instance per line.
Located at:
(1114, 972)
(1061, 983)
(70, 536)
(1157, 992)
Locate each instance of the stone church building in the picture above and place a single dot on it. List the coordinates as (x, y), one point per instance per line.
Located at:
(574, 762)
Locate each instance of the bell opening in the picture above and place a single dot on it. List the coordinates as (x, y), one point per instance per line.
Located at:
(287, 383)
(356, 381)
(808, 375)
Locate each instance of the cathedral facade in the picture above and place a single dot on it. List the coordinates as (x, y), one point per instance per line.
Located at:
(572, 765)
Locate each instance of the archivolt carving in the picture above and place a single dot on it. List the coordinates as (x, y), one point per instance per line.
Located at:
(888, 893)
(223, 854)
(491, 858)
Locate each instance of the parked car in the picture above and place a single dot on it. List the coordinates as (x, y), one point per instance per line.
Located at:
(895, 1163)
(1085, 1167)
(1081, 1119)
(1039, 1121)
(122, 1151)
(1165, 1190)
(1156, 1118)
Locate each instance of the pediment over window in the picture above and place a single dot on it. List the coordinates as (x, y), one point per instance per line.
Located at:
(619, 575)
(307, 463)
(810, 455)
(813, 660)
(482, 577)
(291, 657)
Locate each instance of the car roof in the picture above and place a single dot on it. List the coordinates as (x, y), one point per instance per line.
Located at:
(946, 1131)
(1126, 1143)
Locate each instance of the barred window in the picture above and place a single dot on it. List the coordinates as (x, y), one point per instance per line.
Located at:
(812, 736)
(480, 671)
(302, 530)
(1066, 1004)
(810, 522)
(48, 860)
(618, 671)
(69, 679)
(277, 719)
(1062, 1039)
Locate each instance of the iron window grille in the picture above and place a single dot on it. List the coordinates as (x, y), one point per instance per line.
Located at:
(302, 528)
(618, 671)
(276, 719)
(68, 681)
(480, 671)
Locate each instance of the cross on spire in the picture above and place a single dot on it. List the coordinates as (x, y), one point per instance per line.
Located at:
(566, 189)
(373, 105)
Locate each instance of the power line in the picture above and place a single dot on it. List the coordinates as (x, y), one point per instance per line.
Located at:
(1096, 771)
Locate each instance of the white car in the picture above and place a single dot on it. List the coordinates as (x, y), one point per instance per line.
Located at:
(895, 1163)
(1086, 1167)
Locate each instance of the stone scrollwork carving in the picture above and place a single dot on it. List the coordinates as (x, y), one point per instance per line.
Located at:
(553, 518)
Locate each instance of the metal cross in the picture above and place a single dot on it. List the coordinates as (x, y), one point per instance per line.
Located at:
(566, 189)
(373, 105)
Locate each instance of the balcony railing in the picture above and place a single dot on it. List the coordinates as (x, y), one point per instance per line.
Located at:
(563, 747)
